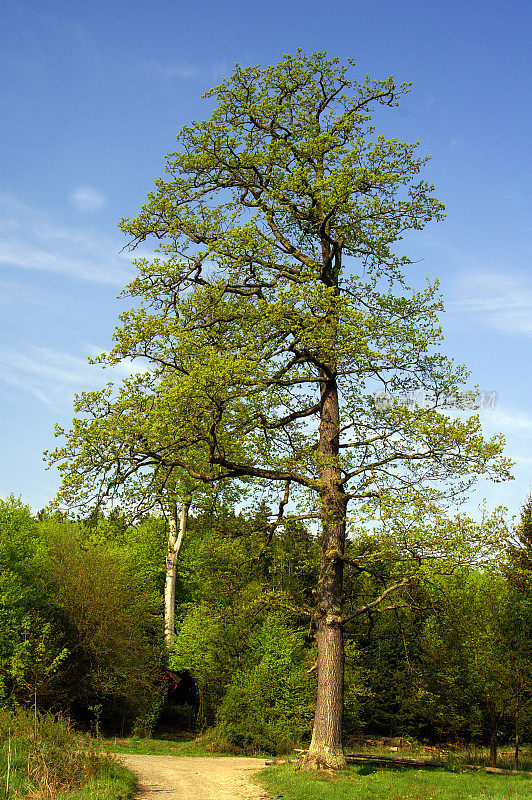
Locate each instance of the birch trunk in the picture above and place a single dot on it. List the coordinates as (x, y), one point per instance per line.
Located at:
(175, 540)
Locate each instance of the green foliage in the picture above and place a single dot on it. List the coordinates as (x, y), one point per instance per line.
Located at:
(232, 642)
(36, 661)
(473, 660)
(267, 706)
(56, 760)
(81, 627)
(23, 591)
(520, 553)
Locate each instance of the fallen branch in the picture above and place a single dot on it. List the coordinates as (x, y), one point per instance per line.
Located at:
(401, 761)
(499, 771)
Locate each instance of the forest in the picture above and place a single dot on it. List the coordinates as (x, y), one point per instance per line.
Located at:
(81, 606)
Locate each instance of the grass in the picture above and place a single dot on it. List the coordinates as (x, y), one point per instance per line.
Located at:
(180, 746)
(45, 758)
(115, 782)
(370, 783)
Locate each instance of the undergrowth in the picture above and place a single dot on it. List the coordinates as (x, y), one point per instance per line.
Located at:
(43, 757)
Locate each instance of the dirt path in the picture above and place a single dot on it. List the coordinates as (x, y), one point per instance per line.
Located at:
(188, 778)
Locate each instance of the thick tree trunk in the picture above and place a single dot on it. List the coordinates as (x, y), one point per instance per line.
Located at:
(325, 749)
(175, 540)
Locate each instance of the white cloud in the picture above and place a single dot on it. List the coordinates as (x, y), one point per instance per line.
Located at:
(512, 422)
(170, 70)
(49, 375)
(53, 376)
(497, 300)
(29, 240)
(86, 199)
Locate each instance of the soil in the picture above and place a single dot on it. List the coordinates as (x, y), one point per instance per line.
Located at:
(190, 778)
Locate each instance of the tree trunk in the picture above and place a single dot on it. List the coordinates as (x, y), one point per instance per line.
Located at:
(175, 540)
(493, 739)
(516, 753)
(325, 749)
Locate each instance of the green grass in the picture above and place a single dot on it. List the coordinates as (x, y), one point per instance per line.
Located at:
(109, 779)
(56, 763)
(115, 782)
(13, 768)
(184, 745)
(180, 746)
(370, 783)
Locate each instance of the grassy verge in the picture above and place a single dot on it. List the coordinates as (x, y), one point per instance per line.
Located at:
(114, 782)
(184, 745)
(45, 758)
(369, 783)
(180, 746)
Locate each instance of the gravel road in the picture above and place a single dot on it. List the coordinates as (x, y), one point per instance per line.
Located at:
(189, 778)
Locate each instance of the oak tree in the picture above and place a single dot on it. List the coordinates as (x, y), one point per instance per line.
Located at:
(274, 310)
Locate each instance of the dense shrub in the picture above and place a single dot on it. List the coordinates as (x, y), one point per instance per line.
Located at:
(80, 628)
(268, 705)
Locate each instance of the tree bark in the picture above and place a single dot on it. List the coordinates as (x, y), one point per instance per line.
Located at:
(175, 541)
(493, 739)
(326, 749)
(516, 752)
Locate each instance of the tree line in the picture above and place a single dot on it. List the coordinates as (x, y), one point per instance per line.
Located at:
(81, 608)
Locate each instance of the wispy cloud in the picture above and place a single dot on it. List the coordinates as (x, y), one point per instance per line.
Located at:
(173, 71)
(507, 421)
(49, 375)
(86, 199)
(54, 376)
(497, 300)
(31, 241)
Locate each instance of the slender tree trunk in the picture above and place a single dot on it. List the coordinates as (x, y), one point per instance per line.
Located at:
(325, 749)
(516, 753)
(494, 724)
(175, 540)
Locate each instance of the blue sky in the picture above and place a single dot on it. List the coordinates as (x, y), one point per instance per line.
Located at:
(93, 94)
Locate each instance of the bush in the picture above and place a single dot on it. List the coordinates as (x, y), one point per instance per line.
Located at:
(79, 629)
(267, 708)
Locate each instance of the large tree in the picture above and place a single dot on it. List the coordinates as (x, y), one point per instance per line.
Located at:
(275, 309)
